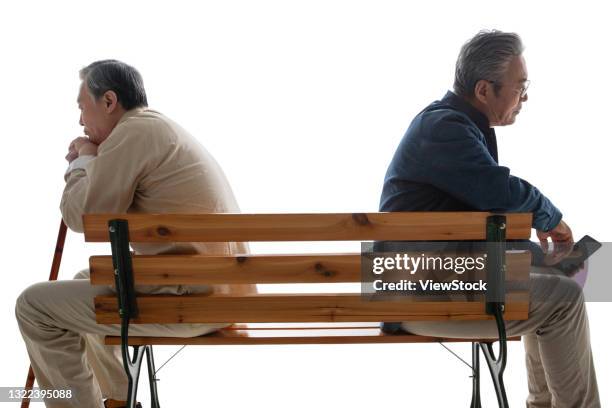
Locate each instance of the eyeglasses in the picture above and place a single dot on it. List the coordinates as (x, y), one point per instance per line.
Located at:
(522, 90)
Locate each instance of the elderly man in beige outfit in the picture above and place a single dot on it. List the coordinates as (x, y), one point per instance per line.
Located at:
(133, 160)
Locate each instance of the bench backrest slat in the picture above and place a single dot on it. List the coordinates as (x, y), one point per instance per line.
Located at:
(421, 226)
(299, 308)
(312, 268)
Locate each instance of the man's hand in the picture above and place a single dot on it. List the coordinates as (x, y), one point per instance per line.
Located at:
(563, 243)
(81, 146)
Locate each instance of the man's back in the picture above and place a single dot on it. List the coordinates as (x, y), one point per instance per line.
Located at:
(447, 161)
(149, 164)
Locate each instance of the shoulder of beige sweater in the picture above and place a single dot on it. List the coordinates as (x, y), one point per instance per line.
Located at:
(149, 119)
(141, 126)
(161, 125)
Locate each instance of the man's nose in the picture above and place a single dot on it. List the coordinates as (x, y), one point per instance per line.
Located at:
(524, 98)
(81, 120)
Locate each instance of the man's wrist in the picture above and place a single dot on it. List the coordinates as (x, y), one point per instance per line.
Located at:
(554, 221)
(78, 163)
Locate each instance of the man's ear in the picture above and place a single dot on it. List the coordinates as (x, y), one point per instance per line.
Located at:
(110, 101)
(482, 89)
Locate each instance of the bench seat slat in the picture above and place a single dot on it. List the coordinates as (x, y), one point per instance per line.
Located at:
(299, 308)
(246, 335)
(421, 226)
(265, 269)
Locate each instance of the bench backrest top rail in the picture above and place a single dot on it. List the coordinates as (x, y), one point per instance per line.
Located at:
(419, 226)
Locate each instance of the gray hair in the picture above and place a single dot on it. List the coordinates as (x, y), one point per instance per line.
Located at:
(119, 77)
(485, 56)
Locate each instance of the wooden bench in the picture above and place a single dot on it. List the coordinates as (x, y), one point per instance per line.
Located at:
(301, 318)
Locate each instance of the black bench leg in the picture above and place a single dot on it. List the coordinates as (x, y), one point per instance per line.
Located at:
(495, 296)
(132, 369)
(497, 373)
(475, 377)
(152, 378)
(128, 307)
(498, 365)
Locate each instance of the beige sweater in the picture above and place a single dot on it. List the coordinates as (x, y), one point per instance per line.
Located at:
(149, 164)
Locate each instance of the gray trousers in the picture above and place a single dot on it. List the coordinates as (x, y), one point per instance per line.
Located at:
(66, 345)
(559, 362)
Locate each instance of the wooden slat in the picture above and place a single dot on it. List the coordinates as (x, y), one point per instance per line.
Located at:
(302, 326)
(244, 335)
(201, 269)
(420, 226)
(298, 308)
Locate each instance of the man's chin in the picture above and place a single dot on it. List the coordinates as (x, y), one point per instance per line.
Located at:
(93, 140)
(512, 118)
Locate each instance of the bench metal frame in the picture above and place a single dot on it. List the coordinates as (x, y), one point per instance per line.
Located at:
(128, 309)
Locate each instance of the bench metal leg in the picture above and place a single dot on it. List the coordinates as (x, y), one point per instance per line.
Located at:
(497, 373)
(475, 377)
(128, 307)
(152, 377)
(132, 369)
(498, 365)
(495, 297)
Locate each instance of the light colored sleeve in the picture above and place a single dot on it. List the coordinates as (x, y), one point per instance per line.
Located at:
(106, 183)
(78, 163)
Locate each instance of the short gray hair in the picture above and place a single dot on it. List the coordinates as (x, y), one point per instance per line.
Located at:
(119, 77)
(485, 56)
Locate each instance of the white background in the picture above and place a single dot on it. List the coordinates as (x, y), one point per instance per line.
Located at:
(303, 104)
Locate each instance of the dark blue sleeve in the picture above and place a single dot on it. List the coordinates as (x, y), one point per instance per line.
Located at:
(454, 158)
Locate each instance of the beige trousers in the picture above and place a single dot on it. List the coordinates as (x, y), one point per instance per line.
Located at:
(57, 322)
(559, 362)
(65, 344)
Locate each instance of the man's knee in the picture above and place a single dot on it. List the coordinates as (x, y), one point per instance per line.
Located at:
(569, 291)
(575, 291)
(27, 299)
(30, 297)
(552, 287)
